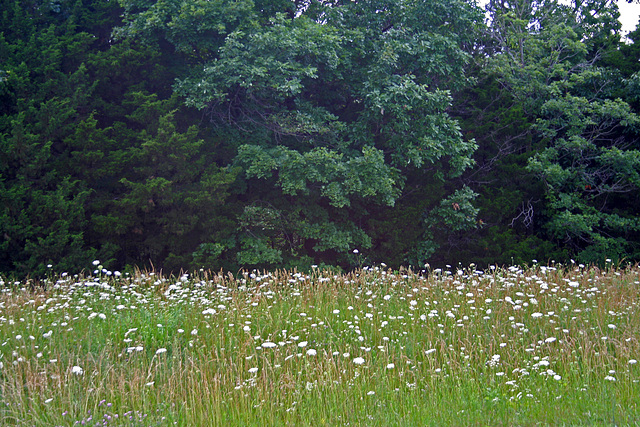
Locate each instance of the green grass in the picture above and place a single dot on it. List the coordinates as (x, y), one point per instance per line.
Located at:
(538, 346)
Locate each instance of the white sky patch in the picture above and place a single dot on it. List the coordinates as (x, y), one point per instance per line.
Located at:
(629, 15)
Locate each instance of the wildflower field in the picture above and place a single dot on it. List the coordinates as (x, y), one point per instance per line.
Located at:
(505, 346)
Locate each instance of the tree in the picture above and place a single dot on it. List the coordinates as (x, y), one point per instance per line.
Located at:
(330, 108)
(89, 135)
(550, 56)
(172, 199)
(45, 90)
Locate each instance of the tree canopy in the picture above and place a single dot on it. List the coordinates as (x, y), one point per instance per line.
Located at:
(266, 134)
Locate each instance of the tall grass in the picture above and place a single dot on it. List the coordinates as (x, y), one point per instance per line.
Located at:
(513, 346)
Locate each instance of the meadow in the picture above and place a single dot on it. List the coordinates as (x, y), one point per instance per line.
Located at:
(541, 345)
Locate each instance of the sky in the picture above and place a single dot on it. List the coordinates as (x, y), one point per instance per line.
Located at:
(629, 14)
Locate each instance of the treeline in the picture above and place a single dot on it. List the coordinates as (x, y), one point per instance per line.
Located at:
(287, 133)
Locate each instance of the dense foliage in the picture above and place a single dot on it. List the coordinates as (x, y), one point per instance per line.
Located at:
(231, 134)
